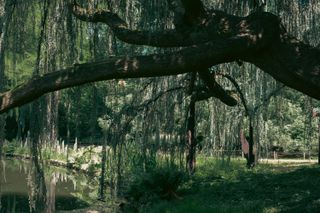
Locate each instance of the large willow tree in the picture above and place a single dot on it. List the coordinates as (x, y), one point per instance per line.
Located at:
(203, 38)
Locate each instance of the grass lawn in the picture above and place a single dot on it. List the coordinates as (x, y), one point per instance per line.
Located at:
(222, 186)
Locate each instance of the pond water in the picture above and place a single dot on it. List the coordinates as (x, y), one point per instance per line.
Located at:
(27, 188)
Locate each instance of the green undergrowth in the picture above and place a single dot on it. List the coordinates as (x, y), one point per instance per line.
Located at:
(159, 183)
(228, 186)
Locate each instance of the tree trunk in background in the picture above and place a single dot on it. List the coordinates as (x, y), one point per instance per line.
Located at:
(19, 38)
(191, 143)
(71, 58)
(309, 110)
(94, 113)
(107, 135)
(94, 52)
(38, 187)
(35, 106)
(2, 65)
(102, 185)
(318, 139)
(50, 103)
(212, 128)
(250, 162)
(52, 115)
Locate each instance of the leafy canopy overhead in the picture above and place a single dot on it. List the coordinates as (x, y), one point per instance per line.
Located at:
(206, 37)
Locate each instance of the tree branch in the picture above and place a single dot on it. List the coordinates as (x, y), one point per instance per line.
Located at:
(293, 63)
(216, 89)
(202, 94)
(288, 60)
(187, 60)
(165, 38)
(258, 39)
(214, 25)
(236, 85)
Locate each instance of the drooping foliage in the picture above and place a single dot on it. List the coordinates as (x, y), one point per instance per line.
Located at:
(143, 119)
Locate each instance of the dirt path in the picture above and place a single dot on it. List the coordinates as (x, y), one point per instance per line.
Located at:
(294, 161)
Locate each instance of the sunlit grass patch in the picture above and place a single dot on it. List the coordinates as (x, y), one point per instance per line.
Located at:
(228, 186)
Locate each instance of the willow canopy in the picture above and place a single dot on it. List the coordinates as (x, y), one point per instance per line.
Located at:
(206, 38)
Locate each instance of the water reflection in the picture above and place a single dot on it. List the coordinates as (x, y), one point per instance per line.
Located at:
(37, 188)
(26, 187)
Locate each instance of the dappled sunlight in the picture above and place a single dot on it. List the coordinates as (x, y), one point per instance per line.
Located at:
(267, 188)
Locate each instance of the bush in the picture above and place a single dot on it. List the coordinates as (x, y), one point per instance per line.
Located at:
(159, 183)
(9, 149)
(14, 148)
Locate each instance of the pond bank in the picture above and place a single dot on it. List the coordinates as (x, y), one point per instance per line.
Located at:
(65, 188)
(52, 162)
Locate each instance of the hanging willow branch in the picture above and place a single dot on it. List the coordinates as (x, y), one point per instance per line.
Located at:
(211, 37)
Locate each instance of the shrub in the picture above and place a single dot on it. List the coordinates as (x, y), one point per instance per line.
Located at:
(159, 183)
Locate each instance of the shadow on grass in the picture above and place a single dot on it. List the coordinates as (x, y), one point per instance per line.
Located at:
(276, 188)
